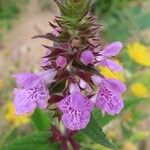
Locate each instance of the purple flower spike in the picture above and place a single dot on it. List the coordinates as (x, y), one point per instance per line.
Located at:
(61, 61)
(72, 73)
(109, 96)
(87, 57)
(76, 109)
(31, 93)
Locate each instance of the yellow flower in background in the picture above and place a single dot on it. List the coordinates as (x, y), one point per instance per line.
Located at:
(129, 146)
(1, 84)
(12, 118)
(139, 53)
(109, 74)
(139, 89)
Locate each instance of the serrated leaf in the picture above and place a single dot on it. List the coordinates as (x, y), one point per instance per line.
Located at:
(102, 120)
(37, 141)
(40, 120)
(94, 132)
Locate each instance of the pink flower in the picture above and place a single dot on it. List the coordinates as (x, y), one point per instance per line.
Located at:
(61, 61)
(87, 57)
(76, 110)
(109, 96)
(111, 50)
(48, 76)
(32, 91)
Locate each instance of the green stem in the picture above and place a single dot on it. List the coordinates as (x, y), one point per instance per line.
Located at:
(6, 135)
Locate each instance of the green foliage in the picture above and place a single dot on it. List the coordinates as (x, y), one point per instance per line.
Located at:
(102, 120)
(58, 86)
(41, 120)
(94, 132)
(108, 6)
(72, 12)
(73, 9)
(8, 9)
(38, 141)
(122, 19)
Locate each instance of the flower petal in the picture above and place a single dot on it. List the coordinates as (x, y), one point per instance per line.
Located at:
(110, 104)
(112, 65)
(25, 80)
(96, 79)
(109, 96)
(87, 57)
(42, 98)
(48, 76)
(83, 84)
(26, 100)
(75, 101)
(74, 87)
(115, 85)
(64, 104)
(61, 61)
(76, 121)
(112, 49)
(23, 104)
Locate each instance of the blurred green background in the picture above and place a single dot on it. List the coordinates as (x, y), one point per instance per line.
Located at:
(127, 21)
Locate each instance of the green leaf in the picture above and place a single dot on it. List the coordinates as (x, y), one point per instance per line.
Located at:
(41, 120)
(37, 141)
(59, 86)
(102, 120)
(94, 131)
(72, 12)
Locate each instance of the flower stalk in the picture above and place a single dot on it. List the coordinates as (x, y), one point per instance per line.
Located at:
(70, 79)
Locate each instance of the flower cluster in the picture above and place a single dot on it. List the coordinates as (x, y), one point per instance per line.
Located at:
(70, 72)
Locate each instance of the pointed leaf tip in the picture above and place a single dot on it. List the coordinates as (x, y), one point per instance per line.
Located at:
(94, 132)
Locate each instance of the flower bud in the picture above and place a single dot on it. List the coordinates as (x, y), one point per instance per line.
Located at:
(61, 61)
(87, 57)
(75, 43)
